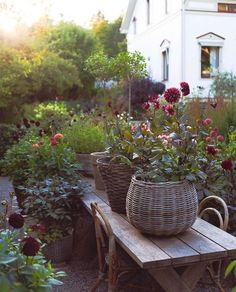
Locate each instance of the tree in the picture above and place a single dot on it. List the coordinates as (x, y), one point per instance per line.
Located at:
(75, 44)
(99, 66)
(224, 84)
(108, 33)
(129, 66)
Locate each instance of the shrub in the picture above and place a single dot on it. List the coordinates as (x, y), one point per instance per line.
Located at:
(7, 137)
(53, 116)
(54, 203)
(85, 137)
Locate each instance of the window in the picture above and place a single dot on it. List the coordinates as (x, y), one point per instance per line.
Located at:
(209, 61)
(227, 7)
(134, 25)
(148, 12)
(165, 66)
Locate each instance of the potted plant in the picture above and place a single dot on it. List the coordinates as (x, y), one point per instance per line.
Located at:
(162, 198)
(22, 267)
(54, 203)
(85, 137)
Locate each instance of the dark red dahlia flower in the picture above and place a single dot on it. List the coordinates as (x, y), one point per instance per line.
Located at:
(172, 95)
(211, 150)
(169, 109)
(16, 220)
(146, 105)
(109, 104)
(227, 164)
(184, 87)
(37, 124)
(53, 141)
(31, 246)
(156, 104)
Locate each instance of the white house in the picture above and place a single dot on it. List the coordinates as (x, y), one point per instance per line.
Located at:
(183, 40)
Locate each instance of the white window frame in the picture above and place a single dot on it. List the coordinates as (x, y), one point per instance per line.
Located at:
(148, 12)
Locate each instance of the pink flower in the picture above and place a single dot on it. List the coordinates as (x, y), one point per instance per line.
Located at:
(169, 110)
(208, 139)
(207, 122)
(184, 87)
(172, 95)
(53, 141)
(58, 136)
(227, 164)
(220, 138)
(133, 128)
(214, 133)
(146, 105)
(35, 146)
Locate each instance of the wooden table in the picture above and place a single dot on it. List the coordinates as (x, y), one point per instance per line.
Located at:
(194, 249)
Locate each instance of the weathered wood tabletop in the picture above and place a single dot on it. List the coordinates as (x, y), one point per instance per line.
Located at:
(195, 249)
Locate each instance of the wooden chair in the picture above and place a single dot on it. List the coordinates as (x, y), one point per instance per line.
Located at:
(110, 264)
(214, 269)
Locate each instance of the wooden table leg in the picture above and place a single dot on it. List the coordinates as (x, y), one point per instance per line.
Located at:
(171, 281)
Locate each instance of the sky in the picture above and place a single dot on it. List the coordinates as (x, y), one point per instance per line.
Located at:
(79, 11)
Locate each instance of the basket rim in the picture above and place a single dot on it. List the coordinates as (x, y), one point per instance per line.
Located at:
(99, 153)
(169, 183)
(106, 161)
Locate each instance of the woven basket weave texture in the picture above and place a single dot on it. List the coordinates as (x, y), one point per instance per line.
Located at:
(99, 185)
(116, 178)
(161, 208)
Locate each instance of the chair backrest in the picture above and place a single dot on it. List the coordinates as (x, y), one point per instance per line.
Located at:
(223, 220)
(101, 223)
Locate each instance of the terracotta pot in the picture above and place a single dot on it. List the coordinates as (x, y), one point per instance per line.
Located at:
(86, 163)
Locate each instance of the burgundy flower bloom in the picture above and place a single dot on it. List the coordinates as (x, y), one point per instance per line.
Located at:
(38, 227)
(116, 113)
(227, 164)
(109, 104)
(156, 104)
(211, 150)
(153, 98)
(172, 95)
(16, 220)
(214, 133)
(208, 139)
(31, 246)
(146, 105)
(18, 126)
(184, 87)
(169, 110)
(37, 124)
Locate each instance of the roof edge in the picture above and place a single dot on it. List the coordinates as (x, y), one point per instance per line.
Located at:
(128, 16)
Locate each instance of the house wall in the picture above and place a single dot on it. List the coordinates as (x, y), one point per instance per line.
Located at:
(200, 23)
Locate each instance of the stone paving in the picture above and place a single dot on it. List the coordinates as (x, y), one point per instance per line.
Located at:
(6, 188)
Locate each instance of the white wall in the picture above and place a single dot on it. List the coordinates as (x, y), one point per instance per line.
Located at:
(199, 23)
(148, 43)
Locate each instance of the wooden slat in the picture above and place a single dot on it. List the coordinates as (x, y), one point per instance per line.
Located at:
(215, 234)
(204, 246)
(140, 248)
(180, 252)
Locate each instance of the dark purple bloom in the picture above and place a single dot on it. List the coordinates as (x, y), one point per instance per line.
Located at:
(16, 220)
(227, 164)
(172, 95)
(31, 246)
(184, 87)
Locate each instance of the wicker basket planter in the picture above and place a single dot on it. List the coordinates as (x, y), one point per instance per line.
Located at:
(116, 178)
(96, 173)
(86, 163)
(161, 208)
(59, 251)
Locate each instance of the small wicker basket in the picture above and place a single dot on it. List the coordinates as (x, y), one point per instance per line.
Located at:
(161, 208)
(99, 185)
(116, 178)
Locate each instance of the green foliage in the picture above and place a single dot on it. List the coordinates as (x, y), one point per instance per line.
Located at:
(6, 138)
(54, 203)
(84, 136)
(108, 33)
(53, 116)
(21, 273)
(224, 84)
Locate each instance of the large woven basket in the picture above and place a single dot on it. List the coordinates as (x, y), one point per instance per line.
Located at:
(161, 208)
(99, 185)
(116, 178)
